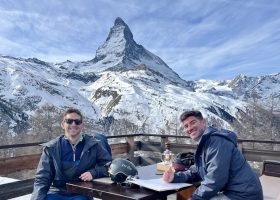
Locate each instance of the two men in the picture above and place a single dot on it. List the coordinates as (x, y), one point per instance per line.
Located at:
(71, 157)
(220, 167)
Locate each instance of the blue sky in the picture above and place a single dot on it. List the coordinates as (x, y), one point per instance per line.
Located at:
(198, 39)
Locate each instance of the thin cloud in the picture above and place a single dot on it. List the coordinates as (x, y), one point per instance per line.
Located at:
(199, 39)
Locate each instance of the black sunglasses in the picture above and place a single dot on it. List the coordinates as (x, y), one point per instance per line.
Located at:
(70, 121)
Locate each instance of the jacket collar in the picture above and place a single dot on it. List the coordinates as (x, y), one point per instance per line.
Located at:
(55, 147)
(89, 141)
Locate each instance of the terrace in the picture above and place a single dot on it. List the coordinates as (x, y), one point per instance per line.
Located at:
(141, 149)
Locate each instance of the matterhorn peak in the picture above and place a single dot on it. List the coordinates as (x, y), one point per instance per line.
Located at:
(120, 52)
(121, 31)
(119, 22)
(112, 52)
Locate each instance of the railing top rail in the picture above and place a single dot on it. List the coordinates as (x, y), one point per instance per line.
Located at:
(239, 140)
(183, 136)
(135, 135)
(20, 145)
(125, 135)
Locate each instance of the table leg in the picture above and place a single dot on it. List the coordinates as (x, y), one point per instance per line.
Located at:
(186, 193)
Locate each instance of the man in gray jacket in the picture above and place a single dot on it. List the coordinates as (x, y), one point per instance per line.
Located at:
(220, 167)
(71, 157)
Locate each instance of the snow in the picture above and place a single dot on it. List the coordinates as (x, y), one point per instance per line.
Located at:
(155, 103)
(203, 85)
(136, 94)
(113, 52)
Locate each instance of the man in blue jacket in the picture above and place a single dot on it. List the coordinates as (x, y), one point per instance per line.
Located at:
(220, 167)
(71, 157)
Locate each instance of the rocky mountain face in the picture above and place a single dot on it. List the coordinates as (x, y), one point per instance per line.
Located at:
(124, 88)
(262, 89)
(120, 52)
(28, 84)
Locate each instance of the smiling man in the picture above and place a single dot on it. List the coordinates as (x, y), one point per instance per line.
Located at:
(220, 167)
(71, 157)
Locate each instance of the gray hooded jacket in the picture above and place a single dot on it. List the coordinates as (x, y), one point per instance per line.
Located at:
(50, 177)
(220, 166)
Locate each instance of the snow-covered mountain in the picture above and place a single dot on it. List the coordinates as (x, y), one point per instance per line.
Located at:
(124, 85)
(120, 52)
(28, 84)
(263, 89)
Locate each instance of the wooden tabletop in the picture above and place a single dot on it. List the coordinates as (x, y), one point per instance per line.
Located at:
(117, 192)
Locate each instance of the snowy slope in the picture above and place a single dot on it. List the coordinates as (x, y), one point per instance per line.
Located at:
(265, 89)
(28, 84)
(144, 98)
(124, 82)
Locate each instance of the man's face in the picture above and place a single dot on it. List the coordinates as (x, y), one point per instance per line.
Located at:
(194, 127)
(72, 125)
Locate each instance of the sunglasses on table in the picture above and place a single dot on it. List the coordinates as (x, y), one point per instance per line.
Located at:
(70, 121)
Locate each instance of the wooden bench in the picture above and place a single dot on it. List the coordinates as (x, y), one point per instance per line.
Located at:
(270, 180)
(16, 189)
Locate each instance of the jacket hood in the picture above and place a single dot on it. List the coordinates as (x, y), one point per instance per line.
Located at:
(229, 135)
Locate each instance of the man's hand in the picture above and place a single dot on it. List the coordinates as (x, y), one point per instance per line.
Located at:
(168, 175)
(86, 176)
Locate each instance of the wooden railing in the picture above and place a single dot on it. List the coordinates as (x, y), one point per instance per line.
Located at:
(133, 143)
(128, 148)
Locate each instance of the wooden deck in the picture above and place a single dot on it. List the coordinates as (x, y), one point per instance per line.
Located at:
(130, 146)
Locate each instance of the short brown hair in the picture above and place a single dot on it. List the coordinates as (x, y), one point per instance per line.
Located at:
(73, 110)
(190, 113)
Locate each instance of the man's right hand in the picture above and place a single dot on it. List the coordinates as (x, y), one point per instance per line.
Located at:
(168, 175)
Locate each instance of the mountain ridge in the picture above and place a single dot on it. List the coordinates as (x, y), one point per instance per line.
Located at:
(124, 90)
(120, 51)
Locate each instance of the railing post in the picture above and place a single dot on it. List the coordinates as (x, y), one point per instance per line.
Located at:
(164, 139)
(240, 146)
(131, 147)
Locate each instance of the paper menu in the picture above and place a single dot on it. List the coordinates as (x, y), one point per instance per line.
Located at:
(158, 184)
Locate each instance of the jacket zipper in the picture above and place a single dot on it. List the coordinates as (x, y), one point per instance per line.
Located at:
(74, 152)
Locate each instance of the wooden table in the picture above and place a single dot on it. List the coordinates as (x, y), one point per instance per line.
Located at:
(116, 192)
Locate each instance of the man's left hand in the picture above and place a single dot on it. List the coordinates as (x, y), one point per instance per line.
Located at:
(86, 176)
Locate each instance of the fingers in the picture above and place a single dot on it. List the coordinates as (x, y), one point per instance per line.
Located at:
(168, 175)
(169, 171)
(86, 176)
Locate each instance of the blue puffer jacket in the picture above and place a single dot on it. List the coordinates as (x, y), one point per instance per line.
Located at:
(220, 166)
(49, 174)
